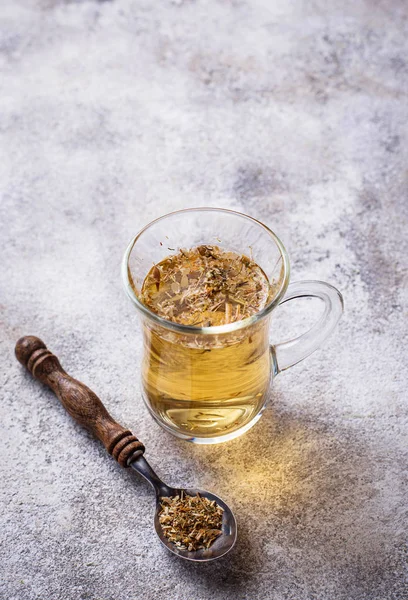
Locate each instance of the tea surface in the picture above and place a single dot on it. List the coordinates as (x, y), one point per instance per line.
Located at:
(206, 286)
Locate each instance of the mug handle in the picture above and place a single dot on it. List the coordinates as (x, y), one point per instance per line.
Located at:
(287, 354)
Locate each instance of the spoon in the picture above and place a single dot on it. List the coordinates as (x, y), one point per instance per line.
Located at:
(86, 408)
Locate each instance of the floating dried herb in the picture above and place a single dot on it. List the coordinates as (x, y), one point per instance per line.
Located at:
(206, 286)
(190, 522)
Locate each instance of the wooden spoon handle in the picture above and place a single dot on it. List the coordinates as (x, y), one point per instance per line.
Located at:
(81, 403)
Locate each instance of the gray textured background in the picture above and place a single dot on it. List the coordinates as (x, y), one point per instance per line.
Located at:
(113, 113)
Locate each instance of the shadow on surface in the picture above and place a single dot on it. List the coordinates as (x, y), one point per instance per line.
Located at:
(315, 509)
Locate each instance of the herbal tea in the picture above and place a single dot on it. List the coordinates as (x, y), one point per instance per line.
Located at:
(198, 383)
(201, 385)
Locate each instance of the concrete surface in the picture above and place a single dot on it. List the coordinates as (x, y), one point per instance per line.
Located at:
(112, 113)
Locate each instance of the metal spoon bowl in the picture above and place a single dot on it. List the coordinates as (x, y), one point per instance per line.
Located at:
(219, 547)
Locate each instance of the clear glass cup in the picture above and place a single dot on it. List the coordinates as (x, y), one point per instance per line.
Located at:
(211, 384)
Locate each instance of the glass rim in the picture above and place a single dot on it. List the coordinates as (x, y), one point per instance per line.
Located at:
(210, 330)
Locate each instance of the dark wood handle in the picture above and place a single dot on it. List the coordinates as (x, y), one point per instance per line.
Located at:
(81, 403)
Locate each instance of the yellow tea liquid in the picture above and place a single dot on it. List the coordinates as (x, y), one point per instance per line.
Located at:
(199, 385)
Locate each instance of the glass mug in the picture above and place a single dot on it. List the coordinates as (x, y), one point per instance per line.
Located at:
(211, 384)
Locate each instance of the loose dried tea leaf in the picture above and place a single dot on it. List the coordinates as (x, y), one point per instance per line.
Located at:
(206, 286)
(156, 277)
(190, 522)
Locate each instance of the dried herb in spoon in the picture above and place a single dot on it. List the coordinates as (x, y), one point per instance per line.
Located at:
(190, 522)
